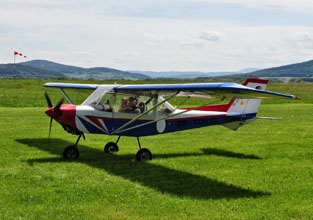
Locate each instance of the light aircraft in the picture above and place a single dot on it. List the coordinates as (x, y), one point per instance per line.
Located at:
(143, 110)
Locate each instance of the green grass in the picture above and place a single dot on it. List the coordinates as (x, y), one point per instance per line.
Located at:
(29, 92)
(262, 171)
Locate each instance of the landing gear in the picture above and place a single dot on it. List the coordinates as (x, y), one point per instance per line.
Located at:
(143, 154)
(71, 152)
(111, 147)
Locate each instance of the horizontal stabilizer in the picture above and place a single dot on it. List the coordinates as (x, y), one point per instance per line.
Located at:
(269, 118)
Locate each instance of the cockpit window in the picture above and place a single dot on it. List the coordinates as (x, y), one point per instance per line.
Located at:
(104, 99)
(165, 108)
(132, 103)
(105, 103)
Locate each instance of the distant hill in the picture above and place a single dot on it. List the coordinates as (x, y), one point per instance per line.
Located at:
(48, 69)
(248, 70)
(190, 74)
(23, 71)
(84, 73)
(299, 72)
(304, 69)
(181, 74)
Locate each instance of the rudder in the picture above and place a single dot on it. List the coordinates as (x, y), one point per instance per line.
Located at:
(246, 109)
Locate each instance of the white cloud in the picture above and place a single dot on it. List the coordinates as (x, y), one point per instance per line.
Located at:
(302, 39)
(192, 44)
(299, 5)
(211, 36)
(93, 34)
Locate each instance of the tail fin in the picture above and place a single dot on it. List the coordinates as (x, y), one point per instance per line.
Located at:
(246, 109)
(248, 106)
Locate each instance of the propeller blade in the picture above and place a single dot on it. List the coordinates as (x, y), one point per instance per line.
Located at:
(57, 107)
(51, 119)
(48, 100)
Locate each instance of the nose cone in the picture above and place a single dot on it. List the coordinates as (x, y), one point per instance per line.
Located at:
(50, 112)
(65, 115)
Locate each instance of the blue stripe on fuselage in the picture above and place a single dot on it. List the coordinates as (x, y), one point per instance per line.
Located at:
(172, 125)
(91, 128)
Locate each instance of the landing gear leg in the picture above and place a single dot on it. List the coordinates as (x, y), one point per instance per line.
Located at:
(71, 152)
(143, 154)
(111, 147)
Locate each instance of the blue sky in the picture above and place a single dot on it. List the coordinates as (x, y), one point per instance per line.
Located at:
(185, 35)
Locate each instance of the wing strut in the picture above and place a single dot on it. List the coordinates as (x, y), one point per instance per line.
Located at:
(163, 118)
(66, 96)
(142, 114)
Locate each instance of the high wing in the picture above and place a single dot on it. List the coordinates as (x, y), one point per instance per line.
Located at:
(208, 90)
(203, 90)
(72, 85)
(62, 86)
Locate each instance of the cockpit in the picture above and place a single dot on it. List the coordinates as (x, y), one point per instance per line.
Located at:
(105, 99)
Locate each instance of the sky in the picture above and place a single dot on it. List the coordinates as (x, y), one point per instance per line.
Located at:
(159, 35)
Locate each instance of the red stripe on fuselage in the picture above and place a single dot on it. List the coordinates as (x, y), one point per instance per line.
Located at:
(225, 107)
(117, 119)
(95, 120)
(216, 108)
(198, 117)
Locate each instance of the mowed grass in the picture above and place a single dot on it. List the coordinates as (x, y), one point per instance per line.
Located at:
(29, 92)
(261, 171)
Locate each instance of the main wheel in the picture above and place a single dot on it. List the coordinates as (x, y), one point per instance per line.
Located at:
(71, 152)
(143, 155)
(110, 147)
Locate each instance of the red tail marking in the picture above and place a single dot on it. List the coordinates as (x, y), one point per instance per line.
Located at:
(225, 107)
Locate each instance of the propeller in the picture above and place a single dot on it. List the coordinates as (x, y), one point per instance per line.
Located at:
(56, 109)
(51, 119)
(48, 100)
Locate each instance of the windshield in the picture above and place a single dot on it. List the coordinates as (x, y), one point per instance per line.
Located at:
(96, 96)
(104, 99)
(166, 107)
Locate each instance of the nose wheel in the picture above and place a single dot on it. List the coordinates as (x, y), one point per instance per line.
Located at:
(71, 152)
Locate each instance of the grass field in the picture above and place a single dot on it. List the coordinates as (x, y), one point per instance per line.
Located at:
(262, 171)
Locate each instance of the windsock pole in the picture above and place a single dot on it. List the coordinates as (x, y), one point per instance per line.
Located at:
(14, 66)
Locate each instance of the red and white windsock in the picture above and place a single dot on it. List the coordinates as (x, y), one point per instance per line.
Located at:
(19, 53)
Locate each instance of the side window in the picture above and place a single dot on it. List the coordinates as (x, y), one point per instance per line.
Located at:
(129, 105)
(166, 108)
(105, 103)
(132, 104)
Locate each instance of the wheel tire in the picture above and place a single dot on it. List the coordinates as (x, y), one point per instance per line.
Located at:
(110, 147)
(71, 152)
(144, 155)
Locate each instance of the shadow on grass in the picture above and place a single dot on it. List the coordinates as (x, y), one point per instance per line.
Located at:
(210, 151)
(163, 179)
(225, 153)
